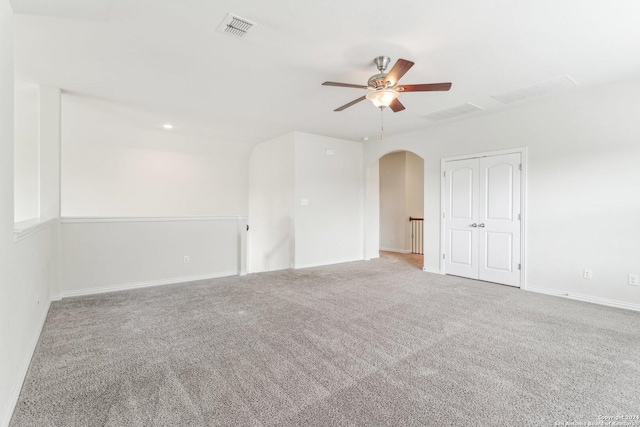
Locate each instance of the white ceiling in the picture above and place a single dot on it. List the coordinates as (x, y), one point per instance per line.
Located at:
(166, 55)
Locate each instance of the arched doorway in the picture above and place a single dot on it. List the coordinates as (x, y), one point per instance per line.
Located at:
(396, 185)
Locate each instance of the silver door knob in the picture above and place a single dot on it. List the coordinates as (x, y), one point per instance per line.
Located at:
(481, 225)
(474, 225)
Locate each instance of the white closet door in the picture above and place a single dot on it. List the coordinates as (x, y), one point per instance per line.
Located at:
(461, 211)
(499, 219)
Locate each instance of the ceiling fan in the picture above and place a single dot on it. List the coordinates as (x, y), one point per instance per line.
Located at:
(384, 87)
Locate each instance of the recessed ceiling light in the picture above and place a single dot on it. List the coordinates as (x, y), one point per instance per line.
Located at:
(167, 126)
(365, 138)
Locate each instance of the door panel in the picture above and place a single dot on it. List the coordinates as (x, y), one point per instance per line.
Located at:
(461, 244)
(461, 207)
(499, 194)
(499, 250)
(499, 219)
(462, 193)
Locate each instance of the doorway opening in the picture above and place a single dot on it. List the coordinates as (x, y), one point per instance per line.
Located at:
(401, 186)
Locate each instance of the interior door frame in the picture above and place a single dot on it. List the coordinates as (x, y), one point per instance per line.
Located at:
(523, 204)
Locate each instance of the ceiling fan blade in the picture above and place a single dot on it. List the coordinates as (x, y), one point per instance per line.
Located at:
(343, 85)
(355, 101)
(396, 105)
(429, 87)
(399, 69)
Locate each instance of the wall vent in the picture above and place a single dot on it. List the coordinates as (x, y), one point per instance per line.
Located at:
(236, 26)
(450, 113)
(546, 87)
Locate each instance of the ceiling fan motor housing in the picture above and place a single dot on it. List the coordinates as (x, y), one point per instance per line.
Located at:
(377, 81)
(382, 62)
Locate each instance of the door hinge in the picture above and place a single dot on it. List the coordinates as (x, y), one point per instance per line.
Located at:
(442, 256)
(519, 266)
(519, 216)
(444, 174)
(520, 166)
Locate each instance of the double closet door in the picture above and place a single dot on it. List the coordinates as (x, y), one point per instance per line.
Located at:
(482, 218)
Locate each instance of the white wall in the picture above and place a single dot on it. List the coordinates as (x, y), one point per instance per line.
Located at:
(271, 211)
(329, 229)
(25, 303)
(583, 175)
(372, 211)
(401, 197)
(26, 266)
(118, 161)
(50, 119)
(415, 185)
(26, 153)
(393, 202)
(415, 193)
(10, 351)
(106, 255)
(117, 164)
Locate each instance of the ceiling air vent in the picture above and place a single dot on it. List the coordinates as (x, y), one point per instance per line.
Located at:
(546, 87)
(236, 26)
(450, 113)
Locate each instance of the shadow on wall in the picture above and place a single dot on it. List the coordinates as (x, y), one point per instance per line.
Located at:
(281, 255)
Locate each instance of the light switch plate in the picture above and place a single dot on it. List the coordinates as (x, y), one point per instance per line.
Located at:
(304, 202)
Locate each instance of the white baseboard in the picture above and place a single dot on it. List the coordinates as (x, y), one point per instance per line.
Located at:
(138, 285)
(400, 251)
(587, 298)
(22, 372)
(340, 261)
(428, 270)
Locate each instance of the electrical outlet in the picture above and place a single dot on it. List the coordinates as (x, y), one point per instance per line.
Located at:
(186, 259)
(588, 274)
(634, 280)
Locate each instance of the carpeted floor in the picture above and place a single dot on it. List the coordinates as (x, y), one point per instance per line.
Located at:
(364, 343)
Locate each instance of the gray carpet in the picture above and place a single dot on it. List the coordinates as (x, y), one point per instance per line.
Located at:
(364, 343)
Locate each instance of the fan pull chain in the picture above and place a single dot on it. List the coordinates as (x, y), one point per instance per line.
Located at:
(381, 123)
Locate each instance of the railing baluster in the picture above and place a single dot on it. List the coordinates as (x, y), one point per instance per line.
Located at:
(417, 230)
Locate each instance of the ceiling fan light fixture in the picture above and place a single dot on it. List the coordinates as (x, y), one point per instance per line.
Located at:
(382, 97)
(384, 89)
